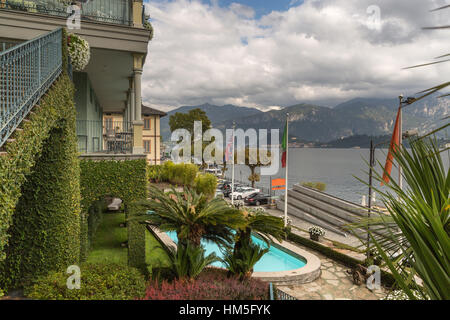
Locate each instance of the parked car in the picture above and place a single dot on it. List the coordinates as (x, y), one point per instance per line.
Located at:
(226, 188)
(257, 199)
(219, 194)
(243, 192)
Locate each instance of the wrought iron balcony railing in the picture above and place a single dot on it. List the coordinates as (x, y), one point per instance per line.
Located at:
(112, 137)
(26, 72)
(110, 11)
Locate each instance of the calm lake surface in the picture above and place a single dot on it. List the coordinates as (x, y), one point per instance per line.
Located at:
(335, 167)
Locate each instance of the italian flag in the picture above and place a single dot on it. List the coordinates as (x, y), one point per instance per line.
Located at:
(284, 145)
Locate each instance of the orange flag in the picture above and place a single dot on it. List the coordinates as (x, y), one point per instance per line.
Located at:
(395, 142)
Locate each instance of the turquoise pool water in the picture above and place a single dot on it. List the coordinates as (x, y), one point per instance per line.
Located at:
(274, 260)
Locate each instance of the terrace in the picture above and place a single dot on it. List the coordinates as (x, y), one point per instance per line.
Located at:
(107, 11)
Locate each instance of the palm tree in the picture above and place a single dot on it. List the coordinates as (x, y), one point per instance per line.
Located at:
(245, 254)
(242, 264)
(188, 261)
(261, 224)
(192, 216)
(414, 239)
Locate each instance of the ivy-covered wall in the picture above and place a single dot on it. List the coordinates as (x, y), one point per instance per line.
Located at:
(40, 191)
(121, 179)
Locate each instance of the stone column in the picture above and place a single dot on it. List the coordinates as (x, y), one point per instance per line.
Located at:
(131, 99)
(137, 13)
(138, 124)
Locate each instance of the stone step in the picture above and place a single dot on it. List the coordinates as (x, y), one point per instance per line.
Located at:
(296, 212)
(300, 204)
(335, 202)
(313, 205)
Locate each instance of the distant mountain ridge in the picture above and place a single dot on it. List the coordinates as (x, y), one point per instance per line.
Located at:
(216, 114)
(308, 122)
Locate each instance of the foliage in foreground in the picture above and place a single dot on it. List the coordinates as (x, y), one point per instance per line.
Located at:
(212, 284)
(241, 262)
(192, 216)
(188, 261)
(241, 259)
(415, 240)
(98, 282)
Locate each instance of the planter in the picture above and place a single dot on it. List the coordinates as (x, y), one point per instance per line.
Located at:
(79, 52)
(315, 237)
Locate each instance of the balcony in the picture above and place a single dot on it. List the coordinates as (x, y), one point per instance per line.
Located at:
(108, 138)
(106, 11)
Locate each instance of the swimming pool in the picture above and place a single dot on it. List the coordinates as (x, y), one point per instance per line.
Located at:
(273, 261)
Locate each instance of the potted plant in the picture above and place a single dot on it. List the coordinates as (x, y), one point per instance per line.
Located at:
(79, 52)
(316, 233)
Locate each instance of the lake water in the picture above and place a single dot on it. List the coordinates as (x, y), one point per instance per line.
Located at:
(335, 167)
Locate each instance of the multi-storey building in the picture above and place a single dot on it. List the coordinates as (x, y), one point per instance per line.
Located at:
(111, 83)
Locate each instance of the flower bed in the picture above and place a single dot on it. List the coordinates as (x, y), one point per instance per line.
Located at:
(212, 284)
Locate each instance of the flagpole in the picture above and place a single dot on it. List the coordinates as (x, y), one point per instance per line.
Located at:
(232, 168)
(400, 139)
(287, 166)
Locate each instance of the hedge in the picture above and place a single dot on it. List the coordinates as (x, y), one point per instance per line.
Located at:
(386, 278)
(97, 282)
(126, 180)
(136, 237)
(40, 191)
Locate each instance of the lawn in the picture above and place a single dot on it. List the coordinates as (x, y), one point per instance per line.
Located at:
(155, 255)
(106, 245)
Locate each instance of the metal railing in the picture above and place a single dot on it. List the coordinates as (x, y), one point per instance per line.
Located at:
(277, 294)
(111, 137)
(26, 72)
(110, 11)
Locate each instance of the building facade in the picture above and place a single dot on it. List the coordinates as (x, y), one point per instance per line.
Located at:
(151, 132)
(118, 36)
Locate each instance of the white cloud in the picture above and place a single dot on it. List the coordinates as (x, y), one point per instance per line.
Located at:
(322, 50)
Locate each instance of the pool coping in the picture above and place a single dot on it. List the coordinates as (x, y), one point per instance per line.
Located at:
(308, 273)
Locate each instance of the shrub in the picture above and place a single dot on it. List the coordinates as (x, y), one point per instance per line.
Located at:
(212, 284)
(188, 261)
(240, 262)
(315, 185)
(206, 184)
(189, 174)
(182, 174)
(98, 282)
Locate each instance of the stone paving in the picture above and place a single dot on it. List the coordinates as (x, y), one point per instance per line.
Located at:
(333, 284)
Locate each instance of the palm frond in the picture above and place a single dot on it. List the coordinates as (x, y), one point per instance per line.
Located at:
(426, 64)
(440, 8)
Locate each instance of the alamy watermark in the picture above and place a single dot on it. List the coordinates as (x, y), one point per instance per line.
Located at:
(374, 280)
(74, 280)
(374, 17)
(259, 151)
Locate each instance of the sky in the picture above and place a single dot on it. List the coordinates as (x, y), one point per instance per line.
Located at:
(272, 53)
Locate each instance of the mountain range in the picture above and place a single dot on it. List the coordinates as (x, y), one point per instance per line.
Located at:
(308, 122)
